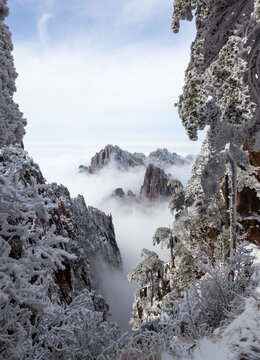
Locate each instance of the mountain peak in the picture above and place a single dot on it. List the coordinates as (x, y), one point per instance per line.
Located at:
(124, 160)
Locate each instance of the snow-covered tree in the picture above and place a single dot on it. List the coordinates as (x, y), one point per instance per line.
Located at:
(11, 120)
(30, 253)
(165, 237)
(148, 271)
(149, 275)
(178, 196)
(218, 91)
(222, 88)
(208, 302)
(75, 332)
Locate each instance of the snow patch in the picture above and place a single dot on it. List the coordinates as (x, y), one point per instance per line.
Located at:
(207, 349)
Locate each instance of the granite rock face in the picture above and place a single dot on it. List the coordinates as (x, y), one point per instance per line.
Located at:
(155, 186)
(248, 203)
(155, 183)
(121, 158)
(154, 166)
(92, 237)
(124, 159)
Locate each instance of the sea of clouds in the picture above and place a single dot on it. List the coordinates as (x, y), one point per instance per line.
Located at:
(135, 222)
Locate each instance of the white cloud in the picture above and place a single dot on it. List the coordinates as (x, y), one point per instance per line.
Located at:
(137, 10)
(120, 13)
(42, 27)
(87, 91)
(94, 82)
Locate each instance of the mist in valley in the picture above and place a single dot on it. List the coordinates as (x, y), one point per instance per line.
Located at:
(135, 221)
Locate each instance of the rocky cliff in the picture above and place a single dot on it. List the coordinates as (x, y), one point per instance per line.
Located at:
(248, 202)
(155, 186)
(121, 158)
(124, 159)
(51, 246)
(155, 183)
(154, 166)
(92, 239)
(90, 231)
(163, 158)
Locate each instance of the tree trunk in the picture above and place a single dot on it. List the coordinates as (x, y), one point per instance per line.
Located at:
(152, 285)
(172, 254)
(233, 204)
(227, 217)
(227, 201)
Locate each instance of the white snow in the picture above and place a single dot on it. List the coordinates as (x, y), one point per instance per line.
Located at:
(228, 341)
(244, 331)
(207, 349)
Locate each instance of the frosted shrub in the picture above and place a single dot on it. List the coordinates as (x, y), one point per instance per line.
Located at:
(77, 331)
(143, 345)
(30, 252)
(208, 302)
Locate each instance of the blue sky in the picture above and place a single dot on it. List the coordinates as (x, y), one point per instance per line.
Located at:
(93, 72)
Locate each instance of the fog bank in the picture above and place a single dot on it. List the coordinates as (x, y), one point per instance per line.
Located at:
(135, 223)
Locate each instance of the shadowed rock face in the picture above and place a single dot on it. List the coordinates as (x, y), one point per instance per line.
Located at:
(155, 186)
(155, 180)
(248, 204)
(92, 238)
(128, 196)
(155, 183)
(119, 193)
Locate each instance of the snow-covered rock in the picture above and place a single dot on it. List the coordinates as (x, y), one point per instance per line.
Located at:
(90, 232)
(162, 158)
(121, 158)
(124, 160)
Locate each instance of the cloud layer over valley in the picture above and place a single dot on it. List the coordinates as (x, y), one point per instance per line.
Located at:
(135, 223)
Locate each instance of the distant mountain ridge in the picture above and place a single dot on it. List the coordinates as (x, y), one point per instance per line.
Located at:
(124, 160)
(156, 167)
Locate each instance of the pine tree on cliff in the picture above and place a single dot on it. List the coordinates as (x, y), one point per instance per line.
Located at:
(146, 273)
(165, 237)
(222, 87)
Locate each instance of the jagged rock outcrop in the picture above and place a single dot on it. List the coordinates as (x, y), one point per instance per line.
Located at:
(51, 247)
(118, 193)
(155, 183)
(121, 158)
(163, 158)
(124, 159)
(155, 186)
(130, 194)
(155, 180)
(92, 238)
